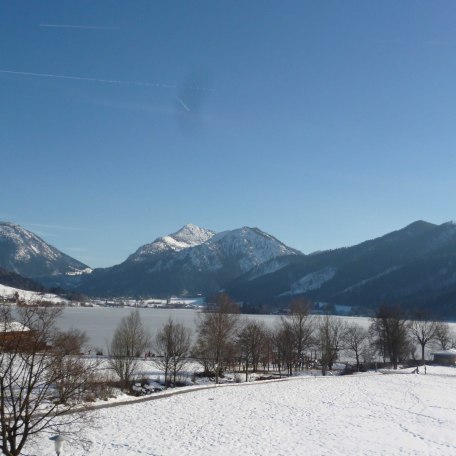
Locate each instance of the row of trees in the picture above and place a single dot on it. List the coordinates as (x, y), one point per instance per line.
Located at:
(396, 335)
(225, 341)
(302, 340)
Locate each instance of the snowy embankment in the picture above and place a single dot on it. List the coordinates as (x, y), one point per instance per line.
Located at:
(360, 414)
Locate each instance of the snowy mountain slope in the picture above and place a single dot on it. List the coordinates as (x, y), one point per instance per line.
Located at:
(27, 254)
(311, 281)
(249, 247)
(267, 267)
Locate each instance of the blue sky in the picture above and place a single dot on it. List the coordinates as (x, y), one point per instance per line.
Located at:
(323, 123)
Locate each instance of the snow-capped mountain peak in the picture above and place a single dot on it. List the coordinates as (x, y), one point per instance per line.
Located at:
(192, 235)
(188, 236)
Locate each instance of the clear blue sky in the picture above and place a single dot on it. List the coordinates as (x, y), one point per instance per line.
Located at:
(323, 123)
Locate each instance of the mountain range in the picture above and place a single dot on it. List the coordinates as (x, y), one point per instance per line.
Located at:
(414, 266)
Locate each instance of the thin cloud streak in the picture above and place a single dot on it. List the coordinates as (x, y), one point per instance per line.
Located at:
(86, 79)
(84, 27)
(134, 106)
(183, 104)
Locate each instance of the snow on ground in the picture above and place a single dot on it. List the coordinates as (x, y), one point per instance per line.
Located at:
(30, 296)
(362, 415)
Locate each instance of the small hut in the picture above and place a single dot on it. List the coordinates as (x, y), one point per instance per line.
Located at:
(445, 357)
(14, 335)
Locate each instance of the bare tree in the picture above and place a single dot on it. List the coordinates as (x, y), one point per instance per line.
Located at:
(445, 338)
(391, 330)
(355, 340)
(129, 341)
(423, 330)
(251, 340)
(331, 336)
(267, 351)
(284, 342)
(32, 372)
(202, 354)
(369, 350)
(71, 342)
(68, 346)
(303, 325)
(172, 344)
(216, 328)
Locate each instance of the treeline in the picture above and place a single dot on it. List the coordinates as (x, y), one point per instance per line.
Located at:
(226, 341)
(11, 279)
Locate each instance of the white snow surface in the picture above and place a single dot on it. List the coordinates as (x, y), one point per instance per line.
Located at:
(188, 236)
(311, 281)
(77, 272)
(359, 415)
(13, 326)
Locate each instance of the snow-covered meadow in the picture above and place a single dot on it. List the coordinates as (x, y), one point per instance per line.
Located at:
(396, 414)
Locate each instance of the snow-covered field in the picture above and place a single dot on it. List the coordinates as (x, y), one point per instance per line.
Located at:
(30, 296)
(397, 414)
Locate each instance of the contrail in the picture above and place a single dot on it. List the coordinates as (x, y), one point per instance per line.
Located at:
(183, 104)
(82, 78)
(87, 27)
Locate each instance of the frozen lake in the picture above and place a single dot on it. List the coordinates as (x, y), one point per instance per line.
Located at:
(100, 322)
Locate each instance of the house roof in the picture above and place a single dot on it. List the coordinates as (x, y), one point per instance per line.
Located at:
(450, 352)
(12, 326)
